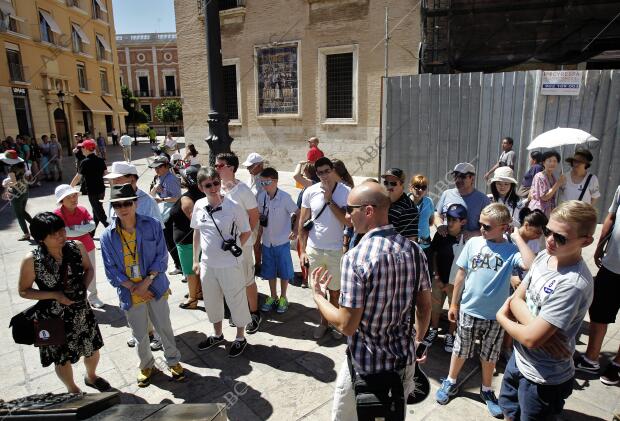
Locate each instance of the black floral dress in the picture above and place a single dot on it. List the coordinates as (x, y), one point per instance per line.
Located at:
(81, 328)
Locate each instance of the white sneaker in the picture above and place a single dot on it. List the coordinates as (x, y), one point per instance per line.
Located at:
(95, 302)
(319, 331)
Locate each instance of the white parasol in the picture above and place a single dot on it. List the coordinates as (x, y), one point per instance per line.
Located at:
(561, 136)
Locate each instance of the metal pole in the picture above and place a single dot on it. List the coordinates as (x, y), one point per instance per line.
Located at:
(387, 40)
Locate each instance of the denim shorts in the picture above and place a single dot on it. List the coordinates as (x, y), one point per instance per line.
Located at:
(277, 262)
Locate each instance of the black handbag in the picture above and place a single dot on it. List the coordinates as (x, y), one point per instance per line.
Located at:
(22, 325)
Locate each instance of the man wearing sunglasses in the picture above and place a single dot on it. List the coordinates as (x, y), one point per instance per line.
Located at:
(255, 164)
(403, 214)
(544, 317)
(464, 193)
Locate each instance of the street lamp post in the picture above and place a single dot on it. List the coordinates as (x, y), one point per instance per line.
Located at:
(132, 104)
(219, 139)
(61, 98)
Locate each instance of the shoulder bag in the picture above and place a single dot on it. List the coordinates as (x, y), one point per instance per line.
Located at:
(309, 224)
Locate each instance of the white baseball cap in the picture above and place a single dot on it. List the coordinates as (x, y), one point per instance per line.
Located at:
(63, 191)
(121, 168)
(252, 159)
(464, 168)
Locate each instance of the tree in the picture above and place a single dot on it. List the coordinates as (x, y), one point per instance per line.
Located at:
(169, 112)
(132, 106)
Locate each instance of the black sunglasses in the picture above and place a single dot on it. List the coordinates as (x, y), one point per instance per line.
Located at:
(119, 205)
(460, 175)
(558, 238)
(390, 183)
(351, 208)
(209, 185)
(419, 187)
(485, 226)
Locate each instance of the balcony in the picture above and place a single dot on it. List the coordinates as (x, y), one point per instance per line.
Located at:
(142, 93)
(224, 5)
(17, 73)
(172, 93)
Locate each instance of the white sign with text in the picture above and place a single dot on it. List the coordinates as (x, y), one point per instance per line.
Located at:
(561, 82)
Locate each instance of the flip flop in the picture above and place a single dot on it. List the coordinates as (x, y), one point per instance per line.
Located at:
(100, 384)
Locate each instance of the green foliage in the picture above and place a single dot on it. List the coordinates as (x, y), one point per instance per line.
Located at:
(132, 105)
(169, 111)
(143, 129)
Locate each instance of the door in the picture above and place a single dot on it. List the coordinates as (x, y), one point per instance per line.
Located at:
(143, 81)
(170, 86)
(61, 130)
(108, 123)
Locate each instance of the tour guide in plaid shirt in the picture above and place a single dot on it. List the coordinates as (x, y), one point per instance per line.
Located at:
(378, 278)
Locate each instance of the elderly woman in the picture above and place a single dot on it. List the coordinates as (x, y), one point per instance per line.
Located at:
(545, 185)
(62, 272)
(580, 184)
(79, 223)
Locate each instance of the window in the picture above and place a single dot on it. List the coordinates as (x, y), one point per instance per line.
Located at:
(230, 91)
(99, 10)
(143, 84)
(338, 84)
(8, 20)
(171, 88)
(81, 72)
(47, 34)
(103, 77)
(16, 71)
(75, 40)
(100, 50)
(103, 48)
(147, 109)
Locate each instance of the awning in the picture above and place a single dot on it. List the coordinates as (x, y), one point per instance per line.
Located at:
(102, 6)
(103, 42)
(81, 33)
(112, 103)
(7, 8)
(51, 22)
(93, 104)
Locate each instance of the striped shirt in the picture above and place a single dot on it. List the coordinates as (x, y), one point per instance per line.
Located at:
(404, 215)
(378, 275)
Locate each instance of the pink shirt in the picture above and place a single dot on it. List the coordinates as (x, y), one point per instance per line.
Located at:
(541, 184)
(78, 217)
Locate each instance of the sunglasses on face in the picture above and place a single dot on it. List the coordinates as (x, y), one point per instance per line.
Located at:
(419, 187)
(460, 175)
(351, 208)
(485, 226)
(218, 166)
(212, 184)
(390, 183)
(558, 238)
(324, 172)
(119, 205)
(265, 182)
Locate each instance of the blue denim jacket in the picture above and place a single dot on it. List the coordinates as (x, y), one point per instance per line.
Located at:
(152, 254)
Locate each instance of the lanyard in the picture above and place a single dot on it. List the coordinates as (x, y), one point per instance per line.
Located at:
(132, 253)
(265, 201)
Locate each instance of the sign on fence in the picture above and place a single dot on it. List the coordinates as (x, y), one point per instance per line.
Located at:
(561, 82)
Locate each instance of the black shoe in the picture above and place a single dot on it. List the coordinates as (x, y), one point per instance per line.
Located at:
(210, 342)
(237, 348)
(611, 375)
(586, 367)
(254, 324)
(231, 323)
(100, 384)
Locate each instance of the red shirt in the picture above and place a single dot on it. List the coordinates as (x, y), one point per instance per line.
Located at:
(78, 217)
(314, 153)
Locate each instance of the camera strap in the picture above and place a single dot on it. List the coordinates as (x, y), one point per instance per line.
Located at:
(210, 212)
(324, 205)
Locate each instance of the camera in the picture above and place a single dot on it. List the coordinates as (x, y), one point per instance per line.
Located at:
(308, 225)
(263, 220)
(231, 246)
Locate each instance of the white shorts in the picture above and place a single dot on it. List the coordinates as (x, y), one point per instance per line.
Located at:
(220, 283)
(247, 265)
(330, 260)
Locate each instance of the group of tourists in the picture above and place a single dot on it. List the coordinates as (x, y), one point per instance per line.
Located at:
(510, 264)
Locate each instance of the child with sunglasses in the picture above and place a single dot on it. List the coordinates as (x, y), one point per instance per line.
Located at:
(482, 284)
(544, 316)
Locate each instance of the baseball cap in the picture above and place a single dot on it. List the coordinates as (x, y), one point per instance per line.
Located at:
(120, 169)
(88, 144)
(252, 159)
(456, 210)
(464, 168)
(395, 172)
(159, 161)
(63, 191)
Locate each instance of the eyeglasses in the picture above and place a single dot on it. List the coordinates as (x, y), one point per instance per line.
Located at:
(324, 172)
(119, 205)
(460, 175)
(212, 184)
(218, 166)
(265, 182)
(558, 238)
(419, 187)
(390, 183)
(485, 226)
(351, 208)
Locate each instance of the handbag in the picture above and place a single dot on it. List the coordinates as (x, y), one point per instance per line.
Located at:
(22, 325)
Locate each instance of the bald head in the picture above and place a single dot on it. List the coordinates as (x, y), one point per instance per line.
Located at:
(366, 217)
(313, 140)
(372, 194)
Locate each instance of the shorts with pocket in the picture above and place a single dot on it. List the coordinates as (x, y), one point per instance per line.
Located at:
(606, 301)
(438, 296)
(470, 328)
(277, 262)
(330, 260)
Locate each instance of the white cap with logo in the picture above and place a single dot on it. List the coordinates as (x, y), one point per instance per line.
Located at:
(464, 168)
(252, 159)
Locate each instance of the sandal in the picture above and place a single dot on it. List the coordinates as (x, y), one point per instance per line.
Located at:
(100, 384)
(190, 305)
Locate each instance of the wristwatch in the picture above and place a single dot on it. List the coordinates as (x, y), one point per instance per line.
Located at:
(152, 276)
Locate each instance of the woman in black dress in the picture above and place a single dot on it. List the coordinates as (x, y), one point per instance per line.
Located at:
(65, 297)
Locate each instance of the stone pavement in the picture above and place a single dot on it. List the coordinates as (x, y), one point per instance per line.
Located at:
(283, 374)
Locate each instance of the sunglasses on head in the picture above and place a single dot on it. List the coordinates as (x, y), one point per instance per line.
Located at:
(212, 184)
(419, 187)
(351, 208)
(558, 238)
(390, 183)
(265, 182)
(218, 166)
(119, 205)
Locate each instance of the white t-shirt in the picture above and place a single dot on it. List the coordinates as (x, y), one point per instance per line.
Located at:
(210, 239)
(243, 196)
(126, 140)
(572, 191)
(278, 211)
(327, 231)
(170, 143)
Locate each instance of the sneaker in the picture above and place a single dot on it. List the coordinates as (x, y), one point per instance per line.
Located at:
(176, 271)
(431, 335)
(156, 344)
(448, 343)
(585, 366)
(319, 331)
(282, 305)
(254, 324)
(231, 323)
(145, 376)
(611, 375)
(211, 342)
(268, 305)
(336, 333)
(489, 398)
(131, 342)
(445, 392)
(237, 348)
(95, 302)
(177, 372)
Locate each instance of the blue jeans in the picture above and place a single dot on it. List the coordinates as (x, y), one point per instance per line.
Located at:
(521, 399)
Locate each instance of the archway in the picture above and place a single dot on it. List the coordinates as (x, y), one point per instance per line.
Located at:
(62, 131)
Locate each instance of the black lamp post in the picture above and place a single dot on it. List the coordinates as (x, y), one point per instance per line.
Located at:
(61, 99)
(132, 104)
(219, 139)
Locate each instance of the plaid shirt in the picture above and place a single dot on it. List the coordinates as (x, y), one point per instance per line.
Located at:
(378, 275)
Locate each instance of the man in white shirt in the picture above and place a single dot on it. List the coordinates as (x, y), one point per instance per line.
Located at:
(255, 164)
(126, 145)
(324, 205)
(226, 165)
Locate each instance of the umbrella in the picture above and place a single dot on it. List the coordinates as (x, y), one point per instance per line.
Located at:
(561, 136)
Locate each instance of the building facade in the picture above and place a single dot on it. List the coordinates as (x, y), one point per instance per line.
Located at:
(149, 68)
(59, 70)
(295, 69)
